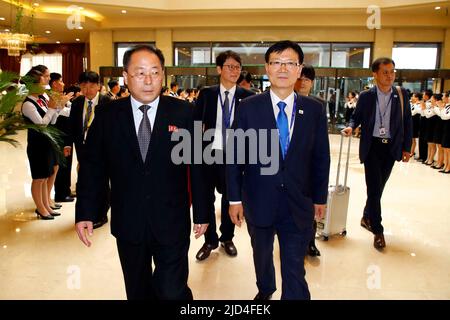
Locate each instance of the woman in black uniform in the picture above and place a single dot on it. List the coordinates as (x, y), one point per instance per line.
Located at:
(438, 127)
(445, 116)
(41, 155)
(415, 112)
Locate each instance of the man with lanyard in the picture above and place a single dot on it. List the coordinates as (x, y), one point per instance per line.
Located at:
(216, 107)
(386, 136)
(81, 116)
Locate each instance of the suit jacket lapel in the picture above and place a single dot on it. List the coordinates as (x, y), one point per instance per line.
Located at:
(158, 127)
(395, 108)
(126, 120)
(299, 129)
(372, 111)
(212, 106)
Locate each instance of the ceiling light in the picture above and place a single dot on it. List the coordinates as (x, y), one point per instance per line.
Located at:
(36, 4)
(80, 28)
(48, 31)
(2, 18)
(124, 11)
(77, 39)
(80, 8)
(437, 8)
(58, 41)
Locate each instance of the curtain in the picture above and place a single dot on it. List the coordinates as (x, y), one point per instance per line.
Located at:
(9, 63)
(53, 61)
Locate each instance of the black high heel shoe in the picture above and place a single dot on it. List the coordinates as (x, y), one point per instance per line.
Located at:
(39, 215)
(56, 206)
(55, 214)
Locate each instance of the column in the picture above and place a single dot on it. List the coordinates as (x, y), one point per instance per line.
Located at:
(101, 49)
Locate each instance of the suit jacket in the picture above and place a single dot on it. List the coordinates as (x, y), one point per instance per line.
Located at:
(143, 195)
(302, 175)
(206, 105)
(400, 129)
(75, 124)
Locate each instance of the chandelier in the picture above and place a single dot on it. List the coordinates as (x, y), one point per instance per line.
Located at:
(15, 41)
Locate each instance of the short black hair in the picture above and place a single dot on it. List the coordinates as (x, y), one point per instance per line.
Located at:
(428, 92)
(383, 60)
(89, 76)
(418, 95)
(54, 76)
(280, 46)
(308, 72)
(437, 96)
(173, 84)
(141, 47)
(223, 56)
(112, 84)
(73, 89)
(245, 75)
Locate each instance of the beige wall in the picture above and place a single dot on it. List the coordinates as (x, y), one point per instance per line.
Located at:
(101, 49)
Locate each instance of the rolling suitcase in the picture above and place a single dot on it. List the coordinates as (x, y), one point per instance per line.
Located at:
(335, 219)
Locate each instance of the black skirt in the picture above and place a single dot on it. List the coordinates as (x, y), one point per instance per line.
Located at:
(437, 137)
(446, 134)
(431, 123)
(416, 125)
(41, 155)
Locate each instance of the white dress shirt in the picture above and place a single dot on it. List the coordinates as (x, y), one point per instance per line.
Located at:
(138, 115)
(290, 100)
(218, 143)
(29, 110)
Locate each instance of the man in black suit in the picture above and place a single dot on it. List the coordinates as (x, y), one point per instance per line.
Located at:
(130, 145)
(281, 197)
(386, 136)
(216, 107)
(82, 114)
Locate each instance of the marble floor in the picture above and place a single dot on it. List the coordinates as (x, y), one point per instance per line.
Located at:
(45, 260)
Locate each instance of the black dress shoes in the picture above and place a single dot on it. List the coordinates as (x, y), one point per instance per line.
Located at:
(365, 223)
(205, 251)
(313, 251)
(229, 247)
(55, 214)
(260, 296)
(41, 216)
(98, 224)
(66, 199)
(378, 241)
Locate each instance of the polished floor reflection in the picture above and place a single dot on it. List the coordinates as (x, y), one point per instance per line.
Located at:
(45, 259)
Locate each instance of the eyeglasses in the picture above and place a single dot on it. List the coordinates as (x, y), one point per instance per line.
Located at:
(290, 65)
(141, 75)
(232, 67)
(388, 72)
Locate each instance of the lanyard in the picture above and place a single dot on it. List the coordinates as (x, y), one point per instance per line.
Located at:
(227, 119)
(385, 110)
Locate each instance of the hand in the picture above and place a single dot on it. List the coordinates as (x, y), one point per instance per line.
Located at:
(65, 98)
(405, 156)
(319, 211)
(347, 131)
(200, 229)
(81, 228)
(67, 151)
(52, 103)
(236, 212)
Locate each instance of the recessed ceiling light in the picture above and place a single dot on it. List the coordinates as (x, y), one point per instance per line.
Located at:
(36, 4)
(58, 41)
(124, 11)
(77, 39)
(437, 8)
(2, 18)
(81, 8)
(6, 30)
(80, 28)
(48, 31)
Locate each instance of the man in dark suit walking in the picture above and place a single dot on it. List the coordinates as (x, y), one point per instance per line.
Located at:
(82, 114)
(386, 136)
(130, 145)
(293, 130)
(216, 107)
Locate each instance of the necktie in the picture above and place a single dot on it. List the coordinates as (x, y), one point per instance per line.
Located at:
(226, 118)
(87, 116)
(145, 132)
(283, 128)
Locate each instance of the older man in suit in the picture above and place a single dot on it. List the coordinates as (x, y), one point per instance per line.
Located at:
(386, 136)
(82, 114)
(293, 129)
(216, 107)
(130, 144)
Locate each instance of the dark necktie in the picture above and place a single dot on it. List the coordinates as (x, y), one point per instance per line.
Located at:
(283, 128)
(145, 132)
(226, 118)
(87, 117)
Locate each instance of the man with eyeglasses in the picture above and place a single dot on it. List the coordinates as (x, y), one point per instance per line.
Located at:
(286, 202)
(129, 144)
(386, 136)
(216, 107)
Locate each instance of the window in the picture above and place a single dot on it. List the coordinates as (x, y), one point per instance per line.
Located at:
(316, 54)
(350, 55)
(192, 54)
(122, 47)
(250, 52)
(53, 61)
(415, 55)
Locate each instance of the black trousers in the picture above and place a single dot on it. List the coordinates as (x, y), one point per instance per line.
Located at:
(423, 145)
(377, 167)
(63, 179)
(168, 281)
(216, 180)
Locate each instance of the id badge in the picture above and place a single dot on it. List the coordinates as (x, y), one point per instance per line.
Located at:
(382, 131)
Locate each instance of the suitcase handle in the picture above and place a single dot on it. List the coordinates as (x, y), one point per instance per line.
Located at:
(346, 164)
